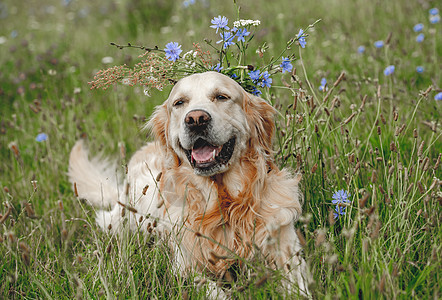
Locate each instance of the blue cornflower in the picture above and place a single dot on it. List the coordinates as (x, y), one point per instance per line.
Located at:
(418, 27)
(233, 76)
(256, 92)
(14, 34)
(389, 70)
(220, 23)
(227, 37)
(301, 39)
(173, 51)
(286, 66)
(340, 198)
(434, 11)
(266, 80)
(361, 49)
(254, 75)
(41, 137)
(419, 69)
(420, 38)
(265, 75)
(379, 44)
(434, 19)
(322, 87)
(218, 67)
(438, 96)
(241, 33)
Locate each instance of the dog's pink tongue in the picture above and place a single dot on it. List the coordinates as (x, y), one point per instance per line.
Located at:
(203, 154)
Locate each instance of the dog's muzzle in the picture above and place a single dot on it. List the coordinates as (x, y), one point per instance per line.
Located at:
(206, 156)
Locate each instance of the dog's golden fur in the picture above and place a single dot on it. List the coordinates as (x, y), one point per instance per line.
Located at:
(245, 204)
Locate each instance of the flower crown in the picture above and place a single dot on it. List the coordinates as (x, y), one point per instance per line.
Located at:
(161, 67)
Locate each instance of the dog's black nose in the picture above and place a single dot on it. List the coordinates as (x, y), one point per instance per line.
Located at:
(197, 119)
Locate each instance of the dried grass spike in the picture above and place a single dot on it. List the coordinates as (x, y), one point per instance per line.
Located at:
(383, 119)
(23, 247)
(399, 130)
(331, 217)
(301, 237)
(374, 176)
(320, 238)
(26, 258)
(158, 178)
(314, 168)
(340, 78)
(391, 170)
(409, 188)
(427, 91)
(415, 135)
(364, 99)
(363, 201)
(75, 190)
(350, 118)
(262, 280)
(393, 147)
(426, 164)
(6, 215)
(420, 149)
(421, 188)
(60, 205)
(436, 165)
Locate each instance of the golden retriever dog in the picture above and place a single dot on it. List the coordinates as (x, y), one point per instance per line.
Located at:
(208, 180)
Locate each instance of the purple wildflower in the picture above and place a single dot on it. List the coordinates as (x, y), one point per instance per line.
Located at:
(301, 38)
(218, 67)
(241, 34)
(41, 137)
(340, 198)
(418, 27)
(286, 66)
(266, 80)
(379, 44)
(420, 38)
(254, 75)
(220, 23)
(389, 70)
(226, 37)
(173, 50)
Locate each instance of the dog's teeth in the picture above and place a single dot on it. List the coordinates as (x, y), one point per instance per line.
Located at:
(213, 154)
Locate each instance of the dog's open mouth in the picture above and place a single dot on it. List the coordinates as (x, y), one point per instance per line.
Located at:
(205, 156)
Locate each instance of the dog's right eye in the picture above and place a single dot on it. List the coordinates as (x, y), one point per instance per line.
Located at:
(178, 102)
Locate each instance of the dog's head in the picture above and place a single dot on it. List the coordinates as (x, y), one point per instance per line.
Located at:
(209, 121)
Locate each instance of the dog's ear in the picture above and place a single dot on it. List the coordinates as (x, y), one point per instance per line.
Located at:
(158, 124)
(260, 117)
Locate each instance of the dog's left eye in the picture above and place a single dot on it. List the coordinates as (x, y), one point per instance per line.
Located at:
(221, 97)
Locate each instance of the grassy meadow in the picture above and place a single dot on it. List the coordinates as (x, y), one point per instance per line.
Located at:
(375, 136)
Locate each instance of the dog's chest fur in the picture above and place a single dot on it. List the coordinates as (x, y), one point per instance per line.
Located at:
(217, 222)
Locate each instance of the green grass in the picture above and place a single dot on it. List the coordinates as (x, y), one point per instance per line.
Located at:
(388, 247)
